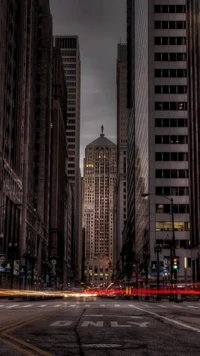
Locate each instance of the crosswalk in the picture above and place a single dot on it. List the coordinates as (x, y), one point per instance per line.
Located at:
(164, 306)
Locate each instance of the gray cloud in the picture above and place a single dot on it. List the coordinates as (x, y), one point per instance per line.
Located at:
(99, 25)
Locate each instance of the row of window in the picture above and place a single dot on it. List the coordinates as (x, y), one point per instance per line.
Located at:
(179, 244)
(177, 208)
(170, 122)
(167, 226)
(171, 57)
(171, 139)
(169, 9)
(171, 73)
(170, 89)
(170, 105)
(172, 173)
(172, 191)
(171, 156)
(169, 41)
(171, 25)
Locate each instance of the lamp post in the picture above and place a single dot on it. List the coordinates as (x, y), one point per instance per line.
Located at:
(173, 241)
(12, 247)
(158, 249)
(146, 256)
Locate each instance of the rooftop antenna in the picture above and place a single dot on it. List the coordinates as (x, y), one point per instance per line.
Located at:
(102, 129)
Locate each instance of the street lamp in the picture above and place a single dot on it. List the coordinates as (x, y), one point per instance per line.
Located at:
(173, 242)
(12, 246)
(146, 256)
(158, 249)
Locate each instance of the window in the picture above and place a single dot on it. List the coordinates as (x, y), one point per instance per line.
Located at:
(172, 41)
(172, 9)
(170, 73)
(172, 57)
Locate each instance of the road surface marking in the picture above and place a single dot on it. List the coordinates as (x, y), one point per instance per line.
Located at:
(56, 306)
(42, 306)
(27, 306)
(97, 324)
(192, 306)
(87, 305)
(12, 306)
(72, 306)
(102, 305)
(177, 306)
(169, 320)
(117, 305)
(62, 323)
(141, 325)
(162, 306)
(2, 305)
(114, 324)
(131, 305)
(147, 306)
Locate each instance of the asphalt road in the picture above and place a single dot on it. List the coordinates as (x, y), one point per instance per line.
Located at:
(99, 327)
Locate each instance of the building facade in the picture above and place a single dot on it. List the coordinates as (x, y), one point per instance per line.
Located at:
(121, 182)
(70, 52)
(25, 132)
(99, 181)
(161, 137)
(12, 112)
(58, 178)
(127, 252)
(193, 56)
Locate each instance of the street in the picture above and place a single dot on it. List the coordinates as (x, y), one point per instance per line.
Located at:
(99, 327)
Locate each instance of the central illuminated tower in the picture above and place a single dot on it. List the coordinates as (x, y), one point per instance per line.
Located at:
(99, 181)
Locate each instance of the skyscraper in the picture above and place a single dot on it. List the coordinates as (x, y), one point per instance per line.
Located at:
(26, 73)
(121, 181)
(99, 181)
(193, 55)
(160, 133)
(70, 52)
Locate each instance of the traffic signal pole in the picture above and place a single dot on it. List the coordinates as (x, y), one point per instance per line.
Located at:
(173, 248)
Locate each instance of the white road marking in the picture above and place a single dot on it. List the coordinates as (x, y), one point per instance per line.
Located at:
(147, 306)
(2, 305)
(42, 306)
(62, 323)
(131, 305)
(193, 307)
(177, 306)
(27, 306)
(114, 324)
(12, 306)
(97, 324)
(56, 306)
(141, 325)
(72, 306)
(169, 320)
(102, 305)
(162, 306)
(117, 305)
(87, 305)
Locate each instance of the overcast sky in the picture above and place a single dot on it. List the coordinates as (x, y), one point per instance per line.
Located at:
(99, 25)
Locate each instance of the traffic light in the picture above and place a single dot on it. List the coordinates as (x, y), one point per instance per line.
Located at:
(175, 263)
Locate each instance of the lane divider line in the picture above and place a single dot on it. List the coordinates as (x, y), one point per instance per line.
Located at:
(21, 350)
(176, 322)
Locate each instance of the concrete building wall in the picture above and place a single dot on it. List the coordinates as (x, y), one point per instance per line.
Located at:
(161, 132)
(121, 183)
(193, 60)
(70, 51)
